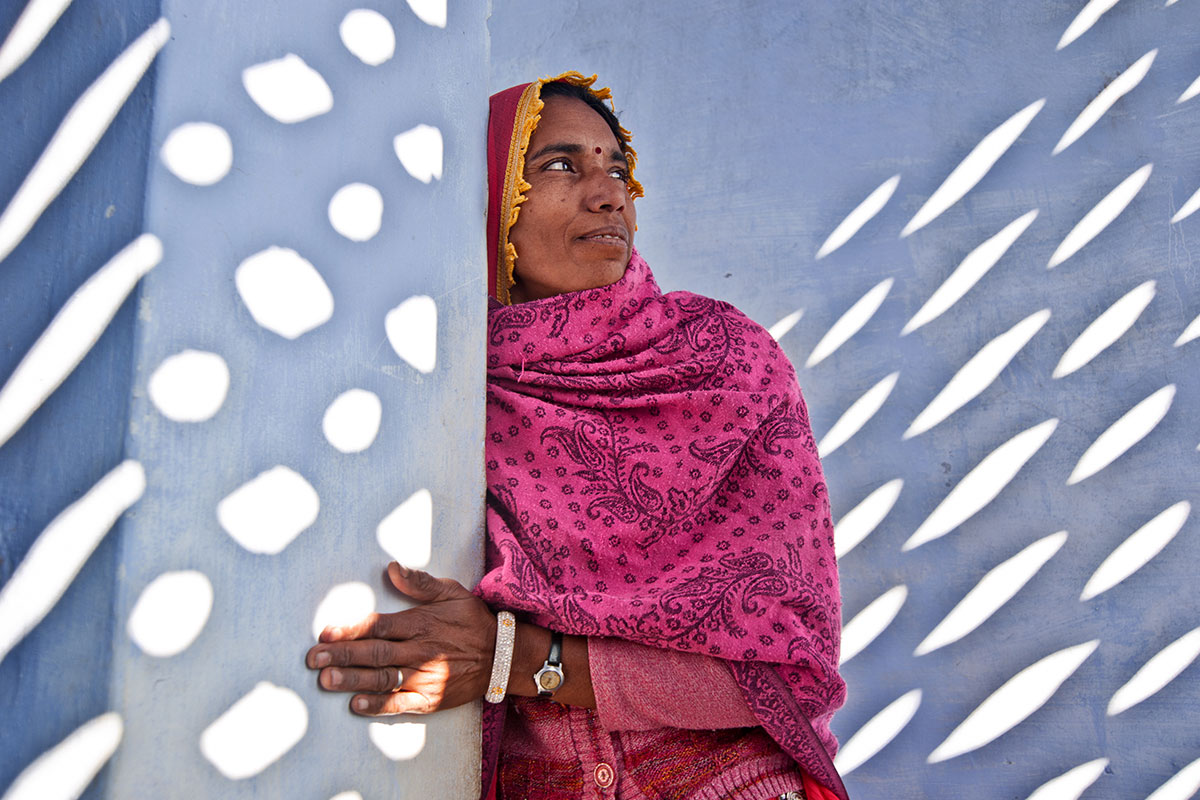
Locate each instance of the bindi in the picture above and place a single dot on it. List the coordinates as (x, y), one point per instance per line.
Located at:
(598, 151)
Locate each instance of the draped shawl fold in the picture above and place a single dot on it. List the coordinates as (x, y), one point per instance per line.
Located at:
(652, 476)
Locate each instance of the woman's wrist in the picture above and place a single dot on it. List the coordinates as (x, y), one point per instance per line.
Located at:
(529, 654)
(532, 646)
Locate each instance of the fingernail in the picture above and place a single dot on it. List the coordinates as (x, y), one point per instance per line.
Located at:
(335, 632)
(335, 677)
(360, 704)
(321, 659)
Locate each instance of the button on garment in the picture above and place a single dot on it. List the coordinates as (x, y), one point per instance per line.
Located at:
(556, 752)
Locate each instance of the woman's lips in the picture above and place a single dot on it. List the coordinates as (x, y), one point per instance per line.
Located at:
(606, 236)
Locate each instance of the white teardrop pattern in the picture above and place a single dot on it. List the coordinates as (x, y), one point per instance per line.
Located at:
(1191, 91)
(1181, 786)
(994, 589)
(978, 373)
(62, 549)
(857, 415)
(1071, 784)
(1101, 216)
(1192, 331)
(861, 215)
(982, 484)
(1084, 20)
(1136, 551)
(974, 167)
(1163, 667)
(850, 322)
(858, 523)
(872, 621)
(27, 33)
(74, 330)
(1133, 426)
(877, 732)
(969, 272)
(1190, 205)
(1105, 329)
(1013, 703)
(1120, 86)
(785, 324)
(64, 771)
(77, 136)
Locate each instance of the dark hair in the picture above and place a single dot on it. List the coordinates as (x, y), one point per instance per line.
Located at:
(564, 89)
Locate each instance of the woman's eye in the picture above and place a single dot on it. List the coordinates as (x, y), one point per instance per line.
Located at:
(558, 166)
(619, 174)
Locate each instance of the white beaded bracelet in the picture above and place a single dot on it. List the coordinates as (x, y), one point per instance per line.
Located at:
(506, 637)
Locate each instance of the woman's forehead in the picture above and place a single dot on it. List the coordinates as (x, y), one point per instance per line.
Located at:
(568, 119)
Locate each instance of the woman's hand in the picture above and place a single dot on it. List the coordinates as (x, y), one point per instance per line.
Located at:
(442, 650)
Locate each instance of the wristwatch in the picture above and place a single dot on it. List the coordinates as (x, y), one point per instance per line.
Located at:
(550, 677)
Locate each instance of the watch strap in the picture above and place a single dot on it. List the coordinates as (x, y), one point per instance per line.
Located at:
(550, 678)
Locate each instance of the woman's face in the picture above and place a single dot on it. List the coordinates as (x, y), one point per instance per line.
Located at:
(575, 228)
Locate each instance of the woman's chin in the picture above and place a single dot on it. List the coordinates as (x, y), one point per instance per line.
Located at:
(598, 271)
(611, 272)
(588, 274)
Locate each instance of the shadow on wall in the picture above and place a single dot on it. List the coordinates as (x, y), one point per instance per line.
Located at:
(219, 356)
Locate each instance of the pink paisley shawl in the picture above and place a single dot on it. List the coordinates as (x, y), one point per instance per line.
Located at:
(652, 476)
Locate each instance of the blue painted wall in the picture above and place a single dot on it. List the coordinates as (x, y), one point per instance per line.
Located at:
(760, 126)
(59, 675)
(431, 434)
(81, 660)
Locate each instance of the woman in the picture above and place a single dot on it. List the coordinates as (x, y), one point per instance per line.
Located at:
(657, 518)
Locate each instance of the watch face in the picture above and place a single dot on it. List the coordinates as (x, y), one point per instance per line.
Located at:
(549, 680)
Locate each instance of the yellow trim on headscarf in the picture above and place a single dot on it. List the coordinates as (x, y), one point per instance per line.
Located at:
(529, 113)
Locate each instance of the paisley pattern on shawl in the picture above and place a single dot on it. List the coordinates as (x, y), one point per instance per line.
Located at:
(652, 476)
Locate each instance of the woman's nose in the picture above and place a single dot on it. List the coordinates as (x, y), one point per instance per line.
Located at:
(604, 192)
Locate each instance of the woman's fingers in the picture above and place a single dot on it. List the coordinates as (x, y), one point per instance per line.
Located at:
(395, 625)
(387, 693)
(358, 653)
(375, 705)
(355, 679)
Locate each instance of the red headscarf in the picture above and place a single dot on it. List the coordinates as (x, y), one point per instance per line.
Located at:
(652, 476)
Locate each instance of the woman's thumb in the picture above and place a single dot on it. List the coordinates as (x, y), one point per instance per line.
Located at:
(419, 585)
